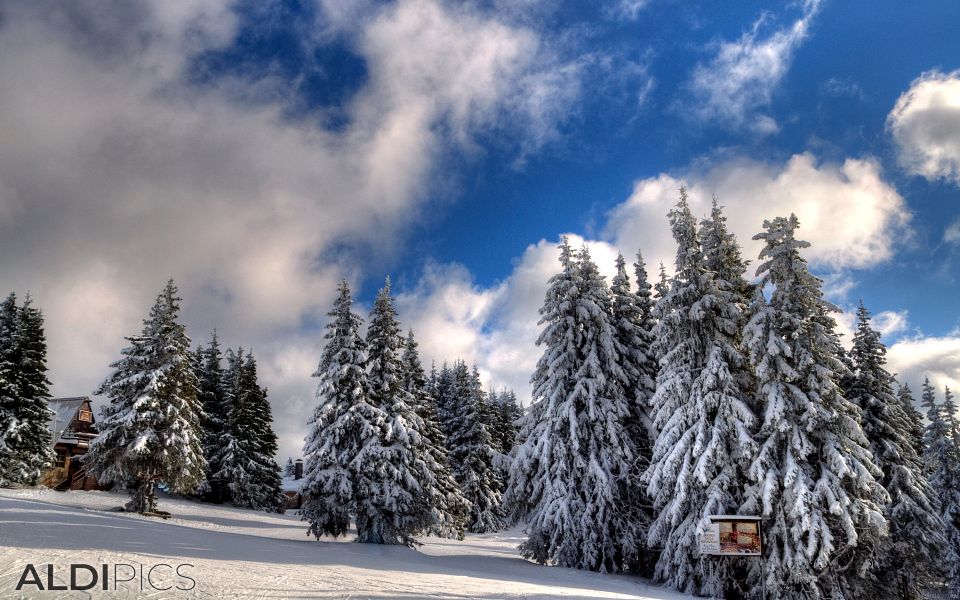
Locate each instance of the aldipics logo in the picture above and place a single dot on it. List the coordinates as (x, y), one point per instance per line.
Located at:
(107, 577)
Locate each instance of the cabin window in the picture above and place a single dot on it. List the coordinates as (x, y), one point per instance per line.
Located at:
(85, 416)
(61, 459)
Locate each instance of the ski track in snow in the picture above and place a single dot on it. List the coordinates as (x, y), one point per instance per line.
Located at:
(246, 554)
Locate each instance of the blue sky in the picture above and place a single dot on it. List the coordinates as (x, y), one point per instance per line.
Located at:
(259, 151)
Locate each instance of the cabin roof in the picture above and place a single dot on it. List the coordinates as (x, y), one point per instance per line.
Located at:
(64, 411)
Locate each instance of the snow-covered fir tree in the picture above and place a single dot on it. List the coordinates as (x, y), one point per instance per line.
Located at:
(216, 413)
(341, 450)
(905, 394)
(150, 431)
(247, 469)
(915, 542)
(942, 465)
(289, 469)
(506, 414)
(570, 475)
(444, 393)
(814, 479)
(662, 287)
(632, 322)
(398, 506)
(470, 451)
(448, 505)
(702, 412)
(25, 444)
(722, 256)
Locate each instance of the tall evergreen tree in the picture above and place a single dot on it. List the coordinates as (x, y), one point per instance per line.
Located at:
(703, 415)
(570, 474)
(905, 394)
(246, 468)
(25, 444)
(448, 505)
(722, 256)
(470, 451)
(399, 505)
(507, 411)
(942, 464)
(211, 393)
(915, 541)
(814, 479)
(341, 450)
(150, 431)
(261, 440)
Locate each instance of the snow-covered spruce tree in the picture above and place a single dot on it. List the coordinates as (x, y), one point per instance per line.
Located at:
(905, 394)
(25, 444)
(399, 505)
(262, 440)
(507, 413)
(150, 432)
(341, 451)
(571, 474)
(9, 349)
(662, 287)
(722, 256)
(247, 471)
(632, 322)
(448, 505)
(703, 415)
(942, 464)
(814, 479)
(915, 539)
(471, 453)
(444, 394)
(212, 396)
(289, 469)
(231, 455)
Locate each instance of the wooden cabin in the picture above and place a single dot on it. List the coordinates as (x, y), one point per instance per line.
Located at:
(72, 427)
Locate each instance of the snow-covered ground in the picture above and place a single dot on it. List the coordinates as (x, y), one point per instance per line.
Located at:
(237, 553)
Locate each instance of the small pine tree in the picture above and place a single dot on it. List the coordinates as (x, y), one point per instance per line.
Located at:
(942, 465)
(216, 414)
(289, 469)
(25, 444)
(471, 453)
(153, 409)
(915, 528)
(448, 505)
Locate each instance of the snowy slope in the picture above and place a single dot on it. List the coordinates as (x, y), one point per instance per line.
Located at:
(245, 554)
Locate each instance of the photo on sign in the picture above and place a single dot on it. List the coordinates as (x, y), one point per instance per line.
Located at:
(739, 537)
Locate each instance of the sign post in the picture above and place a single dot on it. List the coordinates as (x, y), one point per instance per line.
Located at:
(734, 535)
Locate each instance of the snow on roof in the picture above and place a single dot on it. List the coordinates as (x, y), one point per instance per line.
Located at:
(289, 484)
(64, 410)
(733, 517)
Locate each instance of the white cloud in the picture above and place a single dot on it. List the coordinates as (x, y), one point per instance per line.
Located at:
(116, 174)
(890, 322)
(743, 75)
(627, 9)
(935, 357)
(951, 234)
(925, 123)
(849, 214)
